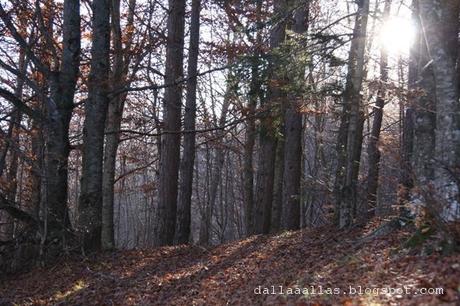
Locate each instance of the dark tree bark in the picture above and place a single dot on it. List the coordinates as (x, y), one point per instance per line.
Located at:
(58, 76)
(248, 166)
(188, 155)
(35, 171)
(277, 205)
(90, 201)
(59, 112)
(293, 141)
(170, 142)
(267, 134)
(372, 149)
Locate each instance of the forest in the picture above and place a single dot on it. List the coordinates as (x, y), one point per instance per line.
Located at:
(225, 152)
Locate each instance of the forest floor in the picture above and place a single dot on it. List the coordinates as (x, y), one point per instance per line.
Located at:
(318, 261)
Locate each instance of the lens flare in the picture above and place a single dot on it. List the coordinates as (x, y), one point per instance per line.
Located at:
(397, 35)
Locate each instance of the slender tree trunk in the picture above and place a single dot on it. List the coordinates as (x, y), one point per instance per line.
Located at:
(268, 128)
(248, 170)
(35, 171)
(170, 146)
(6, 221)
(255, 93)
(373, 150)
(13, 129)
(113, 121)
(90, 201)
(341, 159)
(354, 120)
(188, 156)
(6, 231)
(218, 164)
(407, 146)
(277, 205)
(293, 141)
(7, 141)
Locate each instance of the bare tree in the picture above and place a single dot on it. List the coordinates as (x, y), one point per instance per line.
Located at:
(373, 149)
(170, 142)
(255, 94)
(90, 201)
(351, 127)
(61, 77)
(188, 155)
(119, 78)
(407, 146)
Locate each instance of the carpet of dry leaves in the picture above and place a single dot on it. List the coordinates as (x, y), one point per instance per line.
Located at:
(228, 274)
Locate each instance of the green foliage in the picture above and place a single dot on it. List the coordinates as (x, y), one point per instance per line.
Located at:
(290, 61)
(419, 237)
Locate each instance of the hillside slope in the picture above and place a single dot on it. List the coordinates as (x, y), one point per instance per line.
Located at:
(316, 262)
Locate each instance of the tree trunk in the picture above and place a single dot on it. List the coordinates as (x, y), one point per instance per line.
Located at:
(170, 146)
(12, 135)
(354, 120)
(255, 93)
(248, 170)
(114, 117)
(407, 146)
(440, 21)
(424, 115)
(188, 155)
(373, 150)
(35, 171)
(59, 112)
(90, 201)
(277, 205)
(113, 123)
(268, 128)
(293, 140)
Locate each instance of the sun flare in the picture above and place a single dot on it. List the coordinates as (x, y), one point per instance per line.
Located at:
(397, 35)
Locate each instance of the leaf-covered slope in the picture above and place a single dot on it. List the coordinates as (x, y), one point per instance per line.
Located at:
(319, 260)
